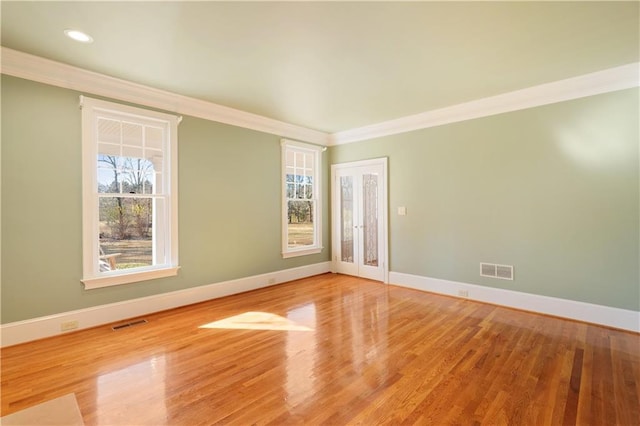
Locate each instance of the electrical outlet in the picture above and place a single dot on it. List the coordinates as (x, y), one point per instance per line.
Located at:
(463, 293)
(69, 325)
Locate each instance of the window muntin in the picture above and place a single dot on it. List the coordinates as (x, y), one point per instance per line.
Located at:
(301, 199)
(129, 194)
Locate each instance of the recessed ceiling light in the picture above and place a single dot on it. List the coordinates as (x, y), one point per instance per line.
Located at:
(79, 36)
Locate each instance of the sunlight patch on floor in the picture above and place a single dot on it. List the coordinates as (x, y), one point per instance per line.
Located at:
(257, 321)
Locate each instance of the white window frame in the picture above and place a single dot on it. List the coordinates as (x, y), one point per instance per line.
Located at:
(289, 145)
(167, 234)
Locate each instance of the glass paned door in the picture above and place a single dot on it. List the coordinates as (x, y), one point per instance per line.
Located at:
(359, 219)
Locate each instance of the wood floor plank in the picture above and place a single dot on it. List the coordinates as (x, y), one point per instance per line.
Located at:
(370, 354)
(625, 387)
(571, 404)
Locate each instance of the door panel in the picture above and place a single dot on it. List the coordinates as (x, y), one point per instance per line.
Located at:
(348, 251)
(370, 265)
(346, 219)
(370, 219)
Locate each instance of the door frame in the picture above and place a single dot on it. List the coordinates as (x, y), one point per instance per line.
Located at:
(335, 214)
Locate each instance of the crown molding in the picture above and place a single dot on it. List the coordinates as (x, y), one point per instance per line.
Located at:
(609, 80)
(35, 68)
(31, 67)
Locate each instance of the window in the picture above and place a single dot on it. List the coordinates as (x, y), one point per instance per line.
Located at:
(301, 199)
(129, 194)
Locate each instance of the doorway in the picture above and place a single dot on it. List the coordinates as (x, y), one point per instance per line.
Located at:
(359, 219)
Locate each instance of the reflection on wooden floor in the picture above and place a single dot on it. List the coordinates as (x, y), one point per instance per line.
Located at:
(365, 353)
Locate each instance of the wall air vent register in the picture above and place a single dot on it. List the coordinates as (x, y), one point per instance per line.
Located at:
(491, 270)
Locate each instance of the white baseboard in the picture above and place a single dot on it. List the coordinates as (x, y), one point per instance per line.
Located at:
(38, 328)
(571, 309)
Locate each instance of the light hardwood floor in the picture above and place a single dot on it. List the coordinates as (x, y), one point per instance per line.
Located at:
(371, 354)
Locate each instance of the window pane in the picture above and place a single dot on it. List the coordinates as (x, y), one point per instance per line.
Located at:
(155, 158)
(308, 162)
(137, 175)
(126, 175)
(125, 234)
(153, 137)
(106, 181)
(109, 149)
(157, 185)
(133, 152)
(300, 230)
(109, 173)
(109, 131)
(132, 134)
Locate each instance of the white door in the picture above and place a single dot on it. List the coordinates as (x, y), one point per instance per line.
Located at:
(359, 218)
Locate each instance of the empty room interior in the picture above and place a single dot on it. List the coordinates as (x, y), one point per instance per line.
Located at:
(320, 213)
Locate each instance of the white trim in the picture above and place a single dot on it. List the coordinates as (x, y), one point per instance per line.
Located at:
(35, 68)
(31, 67)
(587, 312)
(126, 277)
(48, 326)
(301, 252)
(361, 163)
(609, 80)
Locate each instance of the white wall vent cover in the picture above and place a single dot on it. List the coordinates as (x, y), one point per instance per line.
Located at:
(503, 272)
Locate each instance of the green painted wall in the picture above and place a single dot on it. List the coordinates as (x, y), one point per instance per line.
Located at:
(552, 190)
(229, 206)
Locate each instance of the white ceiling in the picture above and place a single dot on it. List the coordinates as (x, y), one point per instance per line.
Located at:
(331, 66)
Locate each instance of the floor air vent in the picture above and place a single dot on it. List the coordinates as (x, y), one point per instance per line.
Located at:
(503, 272)
(128, 324)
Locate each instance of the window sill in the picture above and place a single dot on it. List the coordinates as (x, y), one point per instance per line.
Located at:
(303, 252)
(119, 278)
